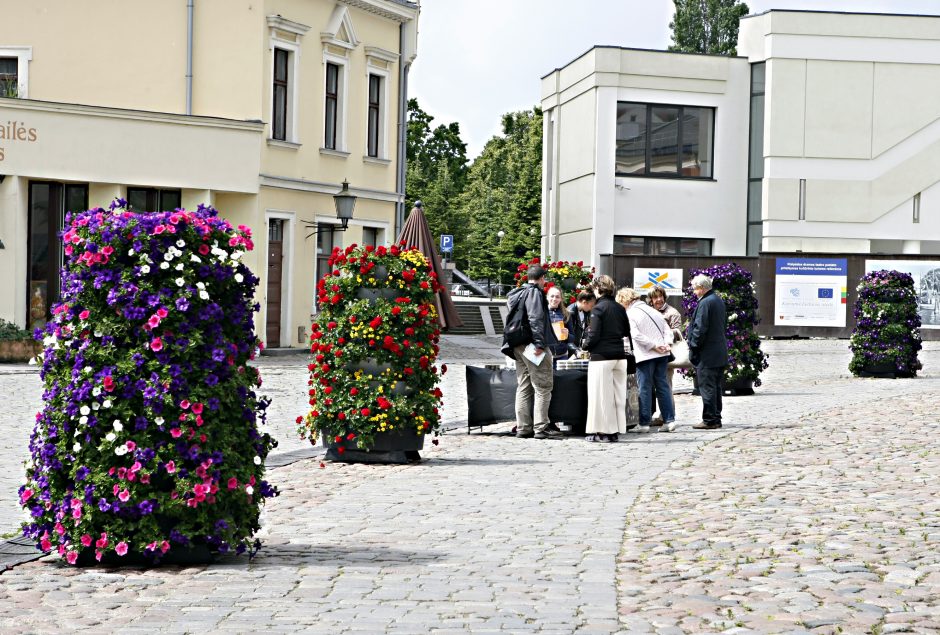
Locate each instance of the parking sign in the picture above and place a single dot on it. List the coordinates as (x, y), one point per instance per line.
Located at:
(447, 243)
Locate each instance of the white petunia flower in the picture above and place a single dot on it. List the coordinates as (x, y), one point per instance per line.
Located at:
(257, 460)
(118, 426)
(85, 410)
(110, 436)
(87, 369)
(237, 254)
(200, 285)
(107, 403)
(180, 282)
(120, 450)
(180, 243)
(195, 258)
(239, 277)
(95, 405)
(164, 265)
(179, 267)
(76, 447)
(249, 490)
(145, 268)
(131, 252)
(158, 421)
(98, 333)
(204, 295)
(96, 391)
(168, 256)
(83, 420)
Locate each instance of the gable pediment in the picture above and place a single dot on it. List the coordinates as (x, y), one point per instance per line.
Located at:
(339, 30)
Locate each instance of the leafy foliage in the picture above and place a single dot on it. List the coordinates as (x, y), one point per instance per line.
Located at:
(148, 440)
(10, 331)
(887, 330)
(504, 194)
(437, 174)
(735, 285)
(707, 26)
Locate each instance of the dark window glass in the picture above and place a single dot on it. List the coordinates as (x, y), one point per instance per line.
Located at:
(756, 150)
(754, 234)
(139, 200)
(754, 200)
(9, 76)
(325, 244)
(332, 104)
(758, 78)
(370, 236)
(170, 200)
(280, 94)
(375, 85)
(631, 138)
(76, 198)
(697, 127)
(664, 139)
(276, 230)
(628, 245)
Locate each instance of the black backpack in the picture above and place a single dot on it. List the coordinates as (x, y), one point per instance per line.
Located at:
(517, 331)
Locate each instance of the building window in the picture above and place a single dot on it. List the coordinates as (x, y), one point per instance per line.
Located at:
(659, 246)
(371, 236)
(375, 110)
(755, 164)
(332, 105)
(281, 93)
(665, 141)
(9, 77)
(148, 199)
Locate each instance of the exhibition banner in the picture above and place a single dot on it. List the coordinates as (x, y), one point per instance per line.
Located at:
(644, 279)
(811, 292)
(926, 274)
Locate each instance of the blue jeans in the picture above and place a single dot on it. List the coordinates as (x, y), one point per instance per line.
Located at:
(649, 373)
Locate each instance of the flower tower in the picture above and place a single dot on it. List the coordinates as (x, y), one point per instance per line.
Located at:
(148, 446)
(373, 380)
(887, 326)
(746, 360)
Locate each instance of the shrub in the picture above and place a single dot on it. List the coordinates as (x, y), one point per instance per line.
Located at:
(735, 285)
(376, 305)
(10, 331)
(148, 438)
(569, 276)
(887, 329)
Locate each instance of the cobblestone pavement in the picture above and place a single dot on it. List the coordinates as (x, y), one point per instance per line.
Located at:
(491, 534)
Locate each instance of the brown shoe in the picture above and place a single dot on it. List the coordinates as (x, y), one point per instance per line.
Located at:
(703, 425)
(522, 433)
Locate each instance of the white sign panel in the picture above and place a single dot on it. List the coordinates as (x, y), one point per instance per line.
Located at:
(670, 280)
(926, 274)
(811, 292)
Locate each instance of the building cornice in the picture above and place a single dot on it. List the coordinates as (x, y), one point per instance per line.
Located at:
(288, 26)
(320, 187)
(386, 9)
(137, 115)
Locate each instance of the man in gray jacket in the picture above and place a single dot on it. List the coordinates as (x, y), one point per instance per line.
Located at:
(534, 379)
(708, 349)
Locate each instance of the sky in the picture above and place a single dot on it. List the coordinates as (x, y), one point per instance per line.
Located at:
(479, 59)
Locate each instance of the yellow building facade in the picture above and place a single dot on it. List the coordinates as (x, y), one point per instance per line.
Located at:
(260, 109)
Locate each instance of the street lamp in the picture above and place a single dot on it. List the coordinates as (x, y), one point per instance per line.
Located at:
(499, 263)
(345, 203)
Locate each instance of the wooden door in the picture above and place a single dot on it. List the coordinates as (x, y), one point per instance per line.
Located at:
(275, 269)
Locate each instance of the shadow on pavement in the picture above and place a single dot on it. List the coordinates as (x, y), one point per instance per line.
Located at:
(278, 556)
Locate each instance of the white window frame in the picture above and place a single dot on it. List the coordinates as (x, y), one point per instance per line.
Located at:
(23, 54)
(287, 277)
(382, 154)
(342, 90)
(280, 29)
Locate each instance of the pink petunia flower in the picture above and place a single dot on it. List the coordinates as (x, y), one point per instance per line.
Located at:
(170, 467)
(121, 548)
(71, 557)
(86, 540)
(84, 314)
(156, 345)
(184, 404)
(233, 483)
(197, 408)
(124, 496)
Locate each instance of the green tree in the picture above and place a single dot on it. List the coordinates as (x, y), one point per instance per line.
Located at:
(504, 194)
(706, 26)
(437, 174)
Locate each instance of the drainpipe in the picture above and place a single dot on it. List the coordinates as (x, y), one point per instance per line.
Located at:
(189, 57)
(402, 130)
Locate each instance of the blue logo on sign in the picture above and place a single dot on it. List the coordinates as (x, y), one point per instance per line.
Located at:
(825, 293)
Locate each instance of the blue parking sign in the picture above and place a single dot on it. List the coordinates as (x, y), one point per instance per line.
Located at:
(447, 243)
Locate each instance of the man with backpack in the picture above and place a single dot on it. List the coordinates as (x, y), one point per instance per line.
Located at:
(527, 324)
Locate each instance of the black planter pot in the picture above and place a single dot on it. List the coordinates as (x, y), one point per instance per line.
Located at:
(739, 388)
(369, 367)
(394, 446)
(880, 371)
(189, 555)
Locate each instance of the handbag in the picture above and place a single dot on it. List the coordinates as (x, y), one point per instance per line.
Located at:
(680, 354)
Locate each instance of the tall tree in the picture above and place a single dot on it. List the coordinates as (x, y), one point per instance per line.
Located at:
(707, 26)
(504, 194)
(437, 173)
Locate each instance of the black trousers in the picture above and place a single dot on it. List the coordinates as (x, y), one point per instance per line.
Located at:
(709, 386)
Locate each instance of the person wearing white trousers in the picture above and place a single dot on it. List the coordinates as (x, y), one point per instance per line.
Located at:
(607, 370)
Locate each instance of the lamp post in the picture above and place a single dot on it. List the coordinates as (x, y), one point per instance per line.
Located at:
(345, 203)
(499, 263)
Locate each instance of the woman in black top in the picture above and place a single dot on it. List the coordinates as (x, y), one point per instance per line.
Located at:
(608, 368)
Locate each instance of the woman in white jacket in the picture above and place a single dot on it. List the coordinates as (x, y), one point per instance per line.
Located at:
(652, 340)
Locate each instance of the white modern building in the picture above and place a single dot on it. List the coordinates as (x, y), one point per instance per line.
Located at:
(823, 135)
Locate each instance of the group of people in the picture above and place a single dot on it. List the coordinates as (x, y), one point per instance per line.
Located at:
(622, 335)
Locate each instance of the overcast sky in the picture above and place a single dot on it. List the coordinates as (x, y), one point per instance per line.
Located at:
(478, 59)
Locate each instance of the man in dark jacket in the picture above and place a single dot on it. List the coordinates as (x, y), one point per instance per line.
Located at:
(534, 379)
(708, 350)
(579, 318)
